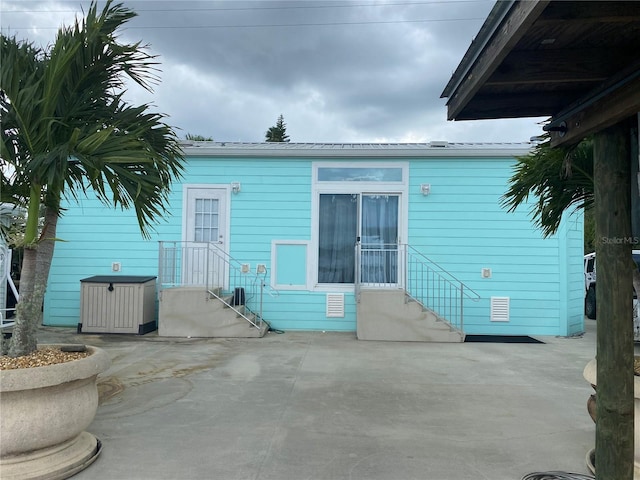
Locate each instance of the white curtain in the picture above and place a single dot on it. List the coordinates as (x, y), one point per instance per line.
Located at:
(379, 263)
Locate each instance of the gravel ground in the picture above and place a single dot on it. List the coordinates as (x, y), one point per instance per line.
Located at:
(40, 358)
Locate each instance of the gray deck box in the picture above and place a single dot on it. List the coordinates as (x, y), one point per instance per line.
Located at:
(118, 304)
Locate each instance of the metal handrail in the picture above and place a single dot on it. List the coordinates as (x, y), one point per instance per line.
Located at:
(5, 279)
(387, 265)
(205, 264)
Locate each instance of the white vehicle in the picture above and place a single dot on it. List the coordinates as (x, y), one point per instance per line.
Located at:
(590, 288)
(590, 285)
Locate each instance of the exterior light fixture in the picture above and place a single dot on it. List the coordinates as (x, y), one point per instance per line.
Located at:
(235, 187)
(425, 189)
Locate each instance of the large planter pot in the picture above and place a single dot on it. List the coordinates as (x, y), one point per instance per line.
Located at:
(589, 374)
(43, 414)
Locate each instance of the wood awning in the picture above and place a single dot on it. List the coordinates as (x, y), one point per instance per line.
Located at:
(577, 62)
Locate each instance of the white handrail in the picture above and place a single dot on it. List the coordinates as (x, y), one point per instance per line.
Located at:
(205, 264)
(5, 278)
(422, 279)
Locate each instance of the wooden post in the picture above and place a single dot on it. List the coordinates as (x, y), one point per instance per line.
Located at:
(615, 350)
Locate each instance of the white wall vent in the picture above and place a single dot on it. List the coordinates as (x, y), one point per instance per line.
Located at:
(335, 305)
(499, 309)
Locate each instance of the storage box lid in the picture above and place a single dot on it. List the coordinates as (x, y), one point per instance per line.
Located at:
(118, 279)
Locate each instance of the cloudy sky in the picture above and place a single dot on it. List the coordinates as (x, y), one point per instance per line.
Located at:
(339, 71)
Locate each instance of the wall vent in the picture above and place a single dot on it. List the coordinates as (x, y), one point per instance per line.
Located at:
(335, 305)
(499, 309)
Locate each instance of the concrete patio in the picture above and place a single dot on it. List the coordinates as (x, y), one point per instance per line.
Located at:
(320, 406)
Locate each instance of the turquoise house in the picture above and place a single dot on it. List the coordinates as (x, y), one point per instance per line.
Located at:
(391, 241)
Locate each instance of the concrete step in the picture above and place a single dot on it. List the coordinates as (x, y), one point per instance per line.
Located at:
(193, 312)
(383, 314)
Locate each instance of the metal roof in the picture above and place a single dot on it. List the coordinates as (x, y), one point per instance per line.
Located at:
(326, 150)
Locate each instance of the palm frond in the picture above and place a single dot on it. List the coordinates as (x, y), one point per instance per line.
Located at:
(66, 126)
(557, 178)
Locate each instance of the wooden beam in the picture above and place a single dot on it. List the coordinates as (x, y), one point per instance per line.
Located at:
(591, 11)
(635, 183)
(513, 105)
(560, 66)
(615, 349)
(597, 111)
(519, 19)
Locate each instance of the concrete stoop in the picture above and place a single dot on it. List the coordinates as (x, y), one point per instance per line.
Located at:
(193, 312)
(384, 314)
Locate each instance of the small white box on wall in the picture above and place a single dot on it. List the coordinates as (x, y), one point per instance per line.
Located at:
(335, 305)
(499, 309)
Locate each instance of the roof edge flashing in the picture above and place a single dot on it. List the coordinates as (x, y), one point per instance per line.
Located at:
(356, 150)
(478, 43)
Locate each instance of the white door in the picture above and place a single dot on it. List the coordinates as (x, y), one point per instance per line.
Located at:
(205, 258)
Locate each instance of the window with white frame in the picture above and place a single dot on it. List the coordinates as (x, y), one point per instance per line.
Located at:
(358, 204)
(206, 220)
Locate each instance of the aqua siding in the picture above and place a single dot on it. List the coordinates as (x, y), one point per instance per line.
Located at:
(572, 277)
(300, 310)
(460, 225)
(86, 251)
(261, 212)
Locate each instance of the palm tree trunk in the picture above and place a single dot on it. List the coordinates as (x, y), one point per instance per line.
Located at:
(46, 247)
(33, 288)
(23, 338)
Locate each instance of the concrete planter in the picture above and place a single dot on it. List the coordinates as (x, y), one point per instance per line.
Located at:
(589, 374)
(43, 414)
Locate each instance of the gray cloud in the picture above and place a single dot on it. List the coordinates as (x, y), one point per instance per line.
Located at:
(362, 70)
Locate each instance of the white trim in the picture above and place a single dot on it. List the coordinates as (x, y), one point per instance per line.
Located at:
(274, 265)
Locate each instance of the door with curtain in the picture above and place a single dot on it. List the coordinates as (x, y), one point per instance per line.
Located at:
(373, 219)
(379, 239)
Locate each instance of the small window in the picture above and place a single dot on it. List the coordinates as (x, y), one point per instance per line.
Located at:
(206, 220)
(360, 174)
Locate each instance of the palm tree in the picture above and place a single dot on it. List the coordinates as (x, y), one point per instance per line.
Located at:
(560, 178)
(66, 130)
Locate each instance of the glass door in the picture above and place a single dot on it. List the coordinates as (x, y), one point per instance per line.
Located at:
(379, 239)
